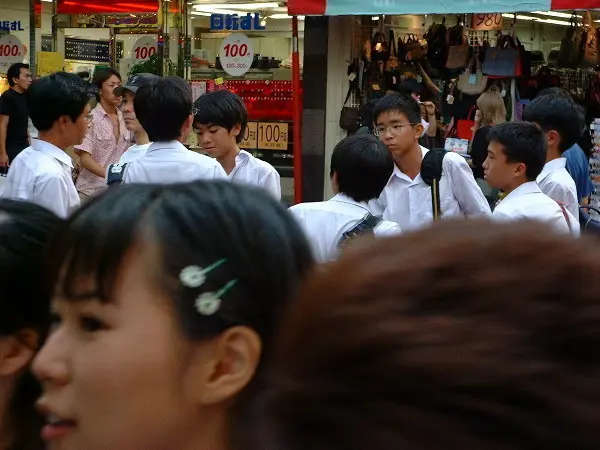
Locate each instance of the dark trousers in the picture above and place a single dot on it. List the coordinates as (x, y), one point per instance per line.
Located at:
(12, 150)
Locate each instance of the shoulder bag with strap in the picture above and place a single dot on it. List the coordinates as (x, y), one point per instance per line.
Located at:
(366, 225)
(566, 215)
(115, 174)
(431, 172)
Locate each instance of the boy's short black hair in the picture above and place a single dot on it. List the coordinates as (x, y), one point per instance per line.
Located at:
(363, 165)
(221, 108)
(14, 71)
(522, 142)
(557, 113)
(163, 107)
(402, 103)
(59, 94)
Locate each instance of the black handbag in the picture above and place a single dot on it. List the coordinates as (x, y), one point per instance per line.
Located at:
(349, 115)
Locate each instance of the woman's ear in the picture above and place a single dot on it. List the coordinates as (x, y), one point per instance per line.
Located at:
(221, 370)
(17, 351)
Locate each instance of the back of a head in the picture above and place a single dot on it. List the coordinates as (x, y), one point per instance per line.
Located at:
(362, 165)
(222, 108)
(26, 230)
(56, 95)
(491, 105)
(523, 142)
(555, 92)
(163, 108)
(390, 347)
(401, 103)
(556, 113)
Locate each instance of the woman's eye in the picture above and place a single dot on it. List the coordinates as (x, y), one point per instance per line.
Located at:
(90, 324)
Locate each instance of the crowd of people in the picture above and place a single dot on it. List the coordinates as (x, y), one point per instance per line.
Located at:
(160, 298)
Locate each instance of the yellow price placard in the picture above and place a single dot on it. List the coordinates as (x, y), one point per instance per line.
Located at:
(49, 62)
(272, 136)
(249, 140)
(487, 22)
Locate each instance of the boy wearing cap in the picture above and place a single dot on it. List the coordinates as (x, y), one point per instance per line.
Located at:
(142, 141)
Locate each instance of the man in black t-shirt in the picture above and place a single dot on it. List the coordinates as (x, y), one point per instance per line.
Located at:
(14, 116)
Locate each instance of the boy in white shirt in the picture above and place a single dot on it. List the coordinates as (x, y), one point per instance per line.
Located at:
(360, 168)
(561, 121)
(59, 107)
(220, 120)
(407, 199)
(516, 156)
(164, 109)
(142, 141)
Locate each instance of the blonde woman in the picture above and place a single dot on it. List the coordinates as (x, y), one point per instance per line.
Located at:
(490, 111)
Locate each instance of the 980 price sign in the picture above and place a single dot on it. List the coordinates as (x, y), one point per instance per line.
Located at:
(487, 22)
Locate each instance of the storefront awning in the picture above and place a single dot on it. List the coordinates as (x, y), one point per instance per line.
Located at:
(397, 7)
(110, 6)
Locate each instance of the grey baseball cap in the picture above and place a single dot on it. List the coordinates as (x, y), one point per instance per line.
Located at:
(137, 81)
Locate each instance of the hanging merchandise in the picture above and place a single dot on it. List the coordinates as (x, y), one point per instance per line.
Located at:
(349, 115)
(416, 48)
(459, 51)
(379, 47)
(590, 41)
(504, 60)
(571, 48)
(436, 45)
(472, 81)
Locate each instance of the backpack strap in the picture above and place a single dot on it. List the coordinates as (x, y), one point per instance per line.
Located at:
(115, 174)
(566, 215)
(431, 172)
(367, 224)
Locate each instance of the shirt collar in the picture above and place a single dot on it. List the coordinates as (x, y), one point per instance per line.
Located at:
(52, 150)
(398, 173)
(343, 198)
(551, 166)
(242, 156)
(170, 145)
(531, 187)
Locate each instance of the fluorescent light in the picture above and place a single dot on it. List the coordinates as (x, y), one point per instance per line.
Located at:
(48, 1)
(375, 18)
(539, 20)
(198, 13)
(245, 6)
(284, 16)
(555, 14)
(212, 10)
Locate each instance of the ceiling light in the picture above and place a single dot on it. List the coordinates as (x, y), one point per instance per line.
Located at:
(555, 14)
(375, 18)
(539, 19)
(244, 6)
(284, 16)
(198, 13)
(210, 9)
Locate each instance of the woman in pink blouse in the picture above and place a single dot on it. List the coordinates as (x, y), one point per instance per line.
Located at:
(106, 139)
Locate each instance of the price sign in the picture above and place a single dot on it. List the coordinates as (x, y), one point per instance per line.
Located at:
(249, 141)
(11, 51)
(144, 48)
(487, 22)
(272, 136)
(236, 54)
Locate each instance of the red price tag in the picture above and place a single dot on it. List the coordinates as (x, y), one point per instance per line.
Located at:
(487, 22)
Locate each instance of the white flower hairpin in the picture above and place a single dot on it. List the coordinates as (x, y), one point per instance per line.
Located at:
(206, 303)
(195, 276)
(209, 303)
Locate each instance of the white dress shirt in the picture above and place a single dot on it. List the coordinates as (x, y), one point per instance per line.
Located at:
(171, 162)
(325, 222)
(41, 174)
(408, 202)
(256, 172)
(134, 152)
(529, 202)
(556, 183)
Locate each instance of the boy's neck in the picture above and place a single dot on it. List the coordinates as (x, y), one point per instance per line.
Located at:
(514, 185)
(552, 154)
(141, 138)
(410, 163)
(53, 138)
(227, 161)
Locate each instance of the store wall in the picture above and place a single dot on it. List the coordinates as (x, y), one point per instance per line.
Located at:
(18, 10)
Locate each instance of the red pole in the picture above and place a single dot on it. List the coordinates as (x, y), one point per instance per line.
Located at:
(297, 113)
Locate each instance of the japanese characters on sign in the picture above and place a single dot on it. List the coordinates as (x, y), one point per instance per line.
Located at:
(233, 22)
(7, 25)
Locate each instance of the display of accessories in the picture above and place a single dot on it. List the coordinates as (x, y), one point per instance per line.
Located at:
(595, 167)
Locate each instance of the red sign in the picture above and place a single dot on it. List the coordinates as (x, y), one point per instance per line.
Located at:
(109, 6)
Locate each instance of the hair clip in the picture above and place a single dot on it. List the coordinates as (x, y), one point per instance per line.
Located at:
(195, 276)
(209, 303)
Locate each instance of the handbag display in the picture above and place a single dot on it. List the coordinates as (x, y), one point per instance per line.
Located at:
(415, 48)
(379, 47)
(472, 81)
(464, 127)
(349, 115)
(504, 60)
(459, 51)
(590, 42)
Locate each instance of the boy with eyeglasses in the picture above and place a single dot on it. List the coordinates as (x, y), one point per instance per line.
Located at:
(407, 199)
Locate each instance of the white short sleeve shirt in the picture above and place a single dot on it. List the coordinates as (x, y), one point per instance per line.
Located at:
(41, 174)
(557, 183)
(256, 172)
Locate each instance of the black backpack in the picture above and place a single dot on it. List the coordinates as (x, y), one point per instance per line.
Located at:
(589, 225)
(431, 172)
(365, 226)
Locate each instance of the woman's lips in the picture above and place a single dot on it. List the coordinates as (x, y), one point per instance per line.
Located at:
(57, 430)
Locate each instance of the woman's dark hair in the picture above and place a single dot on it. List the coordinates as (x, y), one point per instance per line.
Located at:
(57, 95)
(221, 108)
(193, 224)
(100, 77)
(391, 347)
(25, 232)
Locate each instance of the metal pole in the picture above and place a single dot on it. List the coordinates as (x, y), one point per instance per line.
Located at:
(32, 51)
(297, 112)
(160, 38)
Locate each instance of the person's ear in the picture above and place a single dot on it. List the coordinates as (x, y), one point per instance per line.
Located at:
(553, 138)
(17, 351)
(186, 129)
(419, 129)
(236, 130)
(224, 368)
(520, 170)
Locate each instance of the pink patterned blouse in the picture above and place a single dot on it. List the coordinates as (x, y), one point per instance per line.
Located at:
(100, 142)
